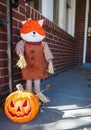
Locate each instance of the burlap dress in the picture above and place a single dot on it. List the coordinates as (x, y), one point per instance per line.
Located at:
(36, 55)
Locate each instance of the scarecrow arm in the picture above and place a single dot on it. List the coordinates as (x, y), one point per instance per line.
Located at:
(20, 52)
(48, 57)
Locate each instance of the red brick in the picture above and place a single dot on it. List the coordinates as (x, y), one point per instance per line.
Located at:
(3, 63)
(3, 46)
(80, 24)
(18, 16)
(4, 80)
(3, 72)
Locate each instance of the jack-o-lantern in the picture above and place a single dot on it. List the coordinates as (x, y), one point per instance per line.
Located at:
(21, 106)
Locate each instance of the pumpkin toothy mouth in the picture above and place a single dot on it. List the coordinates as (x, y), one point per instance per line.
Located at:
(14, 115)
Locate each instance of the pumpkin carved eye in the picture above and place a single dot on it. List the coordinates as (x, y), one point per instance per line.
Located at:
(12, 104)
(24, 104)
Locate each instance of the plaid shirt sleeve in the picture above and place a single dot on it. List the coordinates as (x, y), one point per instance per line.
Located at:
(47, 52)
(20, 48)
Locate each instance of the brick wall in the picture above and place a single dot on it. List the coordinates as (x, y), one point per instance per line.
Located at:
(61, 44)
(4, 79)
(80, 24)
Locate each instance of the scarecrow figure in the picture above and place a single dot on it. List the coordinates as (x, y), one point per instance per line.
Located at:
(34, 55)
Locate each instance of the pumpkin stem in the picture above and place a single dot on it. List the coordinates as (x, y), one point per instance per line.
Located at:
(20, 87)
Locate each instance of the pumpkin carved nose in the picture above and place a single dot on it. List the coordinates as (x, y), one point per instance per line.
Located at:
(18, 110)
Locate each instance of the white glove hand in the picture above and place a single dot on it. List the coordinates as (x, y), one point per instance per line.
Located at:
(50, 68)
(21, 62)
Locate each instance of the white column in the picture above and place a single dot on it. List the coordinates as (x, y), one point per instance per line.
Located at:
(85, 32)
(47, 9)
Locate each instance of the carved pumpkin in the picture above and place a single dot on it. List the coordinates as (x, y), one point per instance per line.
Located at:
(21, 106)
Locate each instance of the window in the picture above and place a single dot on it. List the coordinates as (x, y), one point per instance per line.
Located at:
(67, 15)
(47, 9)
(70, 17)
(56, 11)
(36, 4)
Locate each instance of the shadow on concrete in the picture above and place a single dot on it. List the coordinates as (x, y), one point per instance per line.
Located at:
(70, 106)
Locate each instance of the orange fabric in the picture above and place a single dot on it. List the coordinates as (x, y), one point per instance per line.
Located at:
(32, 25)
(36, 64)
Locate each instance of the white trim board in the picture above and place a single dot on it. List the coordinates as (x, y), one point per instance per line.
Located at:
(85, 31)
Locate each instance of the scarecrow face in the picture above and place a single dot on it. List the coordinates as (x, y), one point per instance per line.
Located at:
(32, 30)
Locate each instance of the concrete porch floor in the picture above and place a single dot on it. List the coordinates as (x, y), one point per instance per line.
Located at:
(70, 106)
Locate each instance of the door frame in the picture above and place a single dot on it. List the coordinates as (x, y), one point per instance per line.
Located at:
(85, 35)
